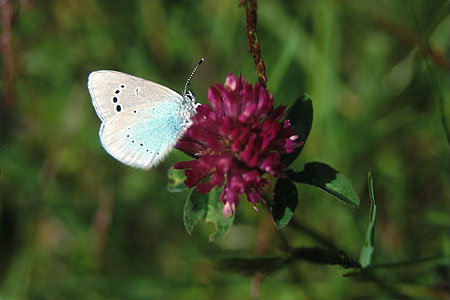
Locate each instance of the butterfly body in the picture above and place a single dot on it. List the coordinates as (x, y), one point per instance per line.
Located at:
(141, 120)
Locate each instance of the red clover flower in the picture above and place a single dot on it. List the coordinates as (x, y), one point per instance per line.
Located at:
(236, 140)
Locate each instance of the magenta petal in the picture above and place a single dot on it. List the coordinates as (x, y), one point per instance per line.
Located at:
(193, 178)
(184, 164)
(253, 197)
(247, 155)
(271, 164)
(229, 210)
(205, 187)
(215, 99)
(231, 83)
(248, 112)
(277, 114)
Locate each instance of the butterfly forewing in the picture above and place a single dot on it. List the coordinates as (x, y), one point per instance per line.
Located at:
(114, 92)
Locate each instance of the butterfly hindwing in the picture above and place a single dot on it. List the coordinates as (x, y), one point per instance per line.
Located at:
(141, 136)
(114, 92)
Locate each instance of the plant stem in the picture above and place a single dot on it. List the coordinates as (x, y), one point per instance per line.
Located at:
(254, 46)
(7, 12)
(265, 227)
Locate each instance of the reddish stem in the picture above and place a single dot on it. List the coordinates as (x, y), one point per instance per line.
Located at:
(7, 11)
(254, 46)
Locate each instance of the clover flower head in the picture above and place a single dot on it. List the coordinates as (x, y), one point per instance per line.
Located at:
(236, 140)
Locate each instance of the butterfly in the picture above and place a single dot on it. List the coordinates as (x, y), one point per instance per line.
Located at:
(141, 120)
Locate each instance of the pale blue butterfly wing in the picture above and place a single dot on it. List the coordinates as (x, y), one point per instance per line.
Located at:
(143, 135)
(113, 92)
(141, 120)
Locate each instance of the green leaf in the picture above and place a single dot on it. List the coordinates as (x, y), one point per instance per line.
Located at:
(301, 117)
(328, 179)
(176, 180)
(285, 201)
(207, 208)
(195, 209)
(365, 257)
(215, 215)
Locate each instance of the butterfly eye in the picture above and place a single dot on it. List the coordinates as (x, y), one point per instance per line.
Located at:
(118, 108)
(117, 91)
(115, 99)
(122, 86)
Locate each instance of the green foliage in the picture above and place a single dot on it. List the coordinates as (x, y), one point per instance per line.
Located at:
(176, 179)
(328, 179)
(365, 257)
(207, 208)
(285, 199)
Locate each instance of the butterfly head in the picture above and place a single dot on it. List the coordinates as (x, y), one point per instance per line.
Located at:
(189, 102)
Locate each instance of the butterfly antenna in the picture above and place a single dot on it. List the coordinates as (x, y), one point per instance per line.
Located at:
(190, 76)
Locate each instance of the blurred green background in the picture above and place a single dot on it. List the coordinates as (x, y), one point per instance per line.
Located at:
(76, 224)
